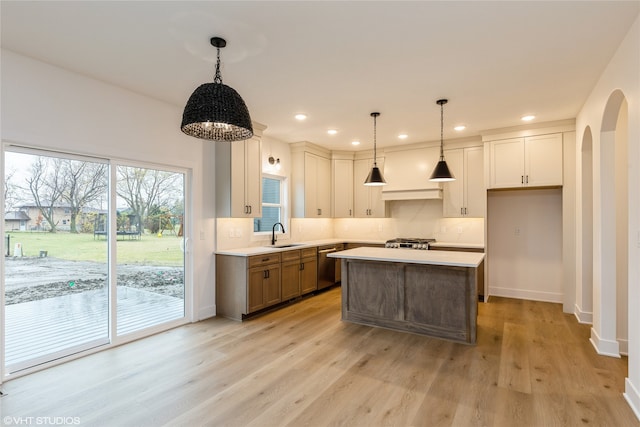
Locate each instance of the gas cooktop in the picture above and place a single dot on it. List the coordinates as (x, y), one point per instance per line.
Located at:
(409, 243)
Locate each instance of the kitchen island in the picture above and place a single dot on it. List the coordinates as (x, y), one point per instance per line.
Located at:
(431, 293)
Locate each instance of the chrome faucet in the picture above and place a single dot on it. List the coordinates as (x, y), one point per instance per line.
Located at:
(273, 232)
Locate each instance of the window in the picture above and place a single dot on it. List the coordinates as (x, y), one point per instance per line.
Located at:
(272, 204)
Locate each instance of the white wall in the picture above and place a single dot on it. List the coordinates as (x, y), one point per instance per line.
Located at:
(524, 247)
(621, 74)
(50, 108)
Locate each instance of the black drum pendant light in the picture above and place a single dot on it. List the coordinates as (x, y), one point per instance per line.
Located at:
(215, 111)
(375, 176)
(441, 173)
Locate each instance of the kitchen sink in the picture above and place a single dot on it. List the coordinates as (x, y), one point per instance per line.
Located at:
(288, 245)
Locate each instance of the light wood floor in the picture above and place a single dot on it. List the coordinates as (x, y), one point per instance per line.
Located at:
(532, 366)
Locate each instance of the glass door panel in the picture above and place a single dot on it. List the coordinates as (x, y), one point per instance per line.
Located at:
(150, 248)
(56, 269)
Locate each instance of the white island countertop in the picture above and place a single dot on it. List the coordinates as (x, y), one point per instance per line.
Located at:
(413, 256)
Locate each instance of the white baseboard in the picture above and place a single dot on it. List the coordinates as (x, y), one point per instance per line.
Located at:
(632, 397)
(604, 347)
(624, 347)
(525, 294)
(585, 317)
(206, 312)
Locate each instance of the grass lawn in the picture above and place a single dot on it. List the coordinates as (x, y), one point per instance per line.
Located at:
(150, 250)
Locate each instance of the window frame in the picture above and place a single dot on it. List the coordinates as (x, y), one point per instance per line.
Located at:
(282, 205)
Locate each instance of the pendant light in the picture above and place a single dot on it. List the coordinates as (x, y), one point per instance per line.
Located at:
(441, 173)
(215, 111)
(375, 176)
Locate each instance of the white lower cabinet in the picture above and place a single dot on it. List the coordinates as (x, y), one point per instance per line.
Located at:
(465, 197)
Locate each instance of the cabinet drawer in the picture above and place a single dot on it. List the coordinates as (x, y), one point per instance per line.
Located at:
(290, 255)
(266, 259)
(309, 252)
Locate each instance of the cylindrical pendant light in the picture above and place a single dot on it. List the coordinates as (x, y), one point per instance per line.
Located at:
(441, 172)
(216, 111)
(375, 176)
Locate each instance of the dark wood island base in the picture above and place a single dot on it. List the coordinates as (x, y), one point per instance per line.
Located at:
(434, 300)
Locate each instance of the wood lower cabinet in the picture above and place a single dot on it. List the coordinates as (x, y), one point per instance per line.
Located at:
(245, 285)
(309, 271)
(299, 273)
(263, 288)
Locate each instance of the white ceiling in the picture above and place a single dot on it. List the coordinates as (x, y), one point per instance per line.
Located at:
(339, 61)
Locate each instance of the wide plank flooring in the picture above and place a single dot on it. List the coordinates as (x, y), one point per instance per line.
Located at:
(302, 366)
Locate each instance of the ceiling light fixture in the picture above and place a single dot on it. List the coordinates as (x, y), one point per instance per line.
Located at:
(403, 136)
(300, 116)
(441, 173)
(460, 128)
(332, 131)
(375, 176)
(527, 118)
(355, 142)
(215, 111)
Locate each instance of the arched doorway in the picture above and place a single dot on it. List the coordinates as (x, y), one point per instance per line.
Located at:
(610, 232)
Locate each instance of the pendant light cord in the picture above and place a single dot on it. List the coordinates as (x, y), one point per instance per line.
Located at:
(442, 131)
(374, 142)
(218, 76)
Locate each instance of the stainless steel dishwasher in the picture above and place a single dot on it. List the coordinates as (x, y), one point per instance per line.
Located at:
(328, 268)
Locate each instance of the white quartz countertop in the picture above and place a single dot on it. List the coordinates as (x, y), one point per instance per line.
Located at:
(261, 250)
(413, 256)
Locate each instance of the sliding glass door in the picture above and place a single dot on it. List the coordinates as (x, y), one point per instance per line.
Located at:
(94, 251)
(150, 265)
(56, 271)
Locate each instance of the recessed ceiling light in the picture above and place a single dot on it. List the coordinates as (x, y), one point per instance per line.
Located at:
(403, 136)
(355, 142)
(527, 118)
(332, 131)
(301, 116)
(460, 128)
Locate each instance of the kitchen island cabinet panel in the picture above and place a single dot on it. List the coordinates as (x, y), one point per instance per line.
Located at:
(382, 300)
(434, 283)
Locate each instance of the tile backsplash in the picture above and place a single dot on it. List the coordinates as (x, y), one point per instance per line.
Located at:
(411, 218)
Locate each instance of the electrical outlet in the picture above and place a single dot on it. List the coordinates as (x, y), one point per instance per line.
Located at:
(516, 231)
(231, 233)
(443, 229)
(202, 235)
(459, 230)
(380, 227)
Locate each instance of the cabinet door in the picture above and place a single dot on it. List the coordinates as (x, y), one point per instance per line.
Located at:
(255, 289)
(323, 187)
(309, 275)
(543, 156)
(310, 185)
(453, 191)
(361, 193)
(475, 194)
(253, 177)
(342, 188)
(291, 279)
(246, 179)
(507, 163)
(272, 291)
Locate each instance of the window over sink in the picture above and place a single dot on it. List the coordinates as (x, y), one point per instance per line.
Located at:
(273, 204)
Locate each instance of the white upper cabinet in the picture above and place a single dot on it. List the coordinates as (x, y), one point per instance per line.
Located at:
(311, 182)
(464, 197)
(367, 200)
(533, 161)
(239, 178)
(342, 179)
